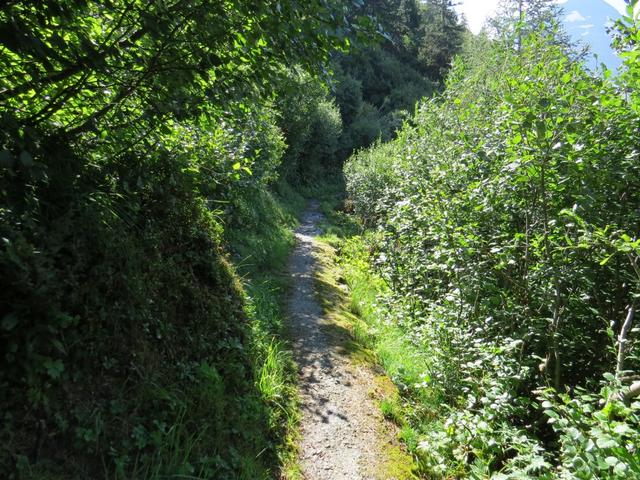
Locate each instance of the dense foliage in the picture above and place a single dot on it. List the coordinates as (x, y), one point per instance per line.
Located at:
(148, 151)
(505, 225)
(131, 133)
(377, 86)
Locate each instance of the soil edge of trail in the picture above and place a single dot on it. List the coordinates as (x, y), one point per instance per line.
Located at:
(343, 435)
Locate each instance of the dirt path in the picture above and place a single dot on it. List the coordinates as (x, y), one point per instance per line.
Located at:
(341, 427)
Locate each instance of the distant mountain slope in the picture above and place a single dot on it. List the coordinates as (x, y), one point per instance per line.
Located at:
(587, 20)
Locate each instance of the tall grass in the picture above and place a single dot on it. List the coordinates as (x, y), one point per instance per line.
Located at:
(261, 244)
(401, 359)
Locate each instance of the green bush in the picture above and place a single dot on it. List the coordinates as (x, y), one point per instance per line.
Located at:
(312, 126)
(320, 158)
(598, 435)
(507, 220)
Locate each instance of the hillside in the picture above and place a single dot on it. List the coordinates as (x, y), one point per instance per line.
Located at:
(322, 240)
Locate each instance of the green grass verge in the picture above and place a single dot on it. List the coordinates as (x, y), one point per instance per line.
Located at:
(261, 241)
(352, 317)
(375, 338)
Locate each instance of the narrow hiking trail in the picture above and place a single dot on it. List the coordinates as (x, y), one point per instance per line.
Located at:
(342, 429)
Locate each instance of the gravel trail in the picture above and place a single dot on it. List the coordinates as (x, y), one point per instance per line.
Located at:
(341, 426)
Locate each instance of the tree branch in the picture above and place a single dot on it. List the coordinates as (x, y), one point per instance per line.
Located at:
(622, 340)
(633, 392)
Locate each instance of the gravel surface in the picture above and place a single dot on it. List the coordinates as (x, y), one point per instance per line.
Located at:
(340, 424)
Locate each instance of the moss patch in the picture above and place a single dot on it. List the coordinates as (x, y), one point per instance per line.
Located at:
(351, 335)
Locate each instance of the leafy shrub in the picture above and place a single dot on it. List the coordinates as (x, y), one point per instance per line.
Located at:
(326, 125)
(595, 441)
(369, 174)
(114, 363)
(312, 125)
(348, 95)
(499, 212)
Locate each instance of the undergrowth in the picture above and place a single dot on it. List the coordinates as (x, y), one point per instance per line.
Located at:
(262, 241)
(181, 371)
(503, 221)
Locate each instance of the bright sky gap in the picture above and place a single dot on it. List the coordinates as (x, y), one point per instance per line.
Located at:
(477, 11)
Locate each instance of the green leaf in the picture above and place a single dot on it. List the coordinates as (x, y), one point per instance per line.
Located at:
(26, 159)
(606, 259)
(620, 468)
(6, 159)
(606, 442)
(59, 346)
(623, 429)
(9, 321)
(54, 368)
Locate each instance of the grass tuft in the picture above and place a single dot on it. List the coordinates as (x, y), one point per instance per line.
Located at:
(349, 308)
